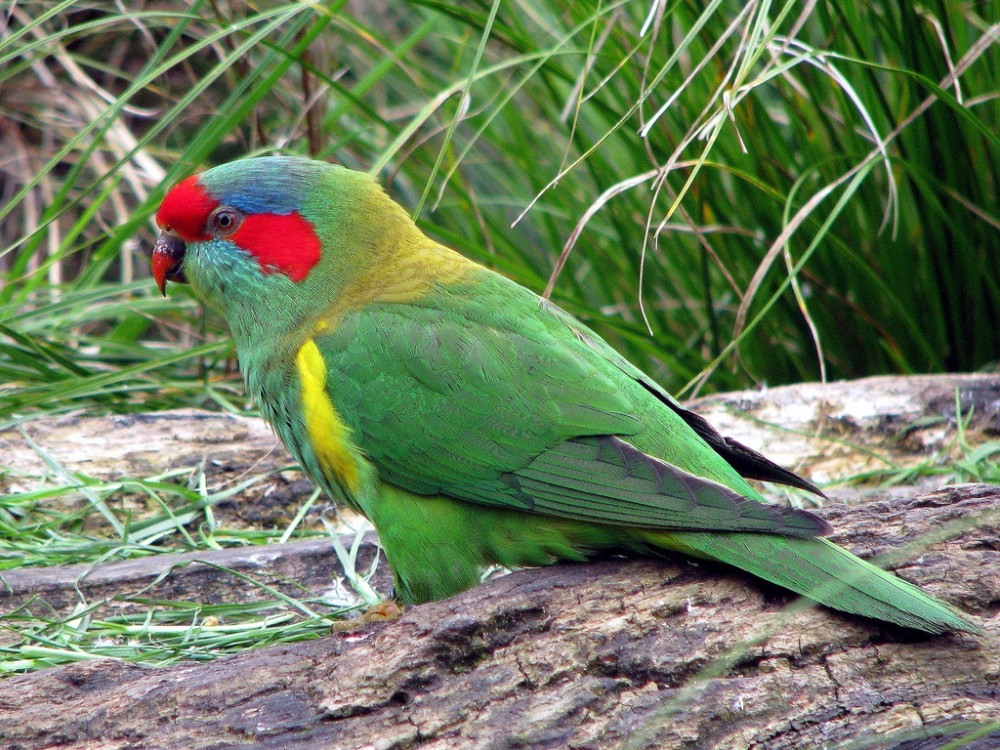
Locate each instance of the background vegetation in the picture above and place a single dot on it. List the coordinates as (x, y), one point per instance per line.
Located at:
(731, 192)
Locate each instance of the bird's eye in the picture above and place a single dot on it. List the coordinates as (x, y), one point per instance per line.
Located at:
(224, 220)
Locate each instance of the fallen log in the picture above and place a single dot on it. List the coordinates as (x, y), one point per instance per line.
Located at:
(615, 653)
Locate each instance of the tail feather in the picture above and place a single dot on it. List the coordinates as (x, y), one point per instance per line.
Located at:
(825, 573)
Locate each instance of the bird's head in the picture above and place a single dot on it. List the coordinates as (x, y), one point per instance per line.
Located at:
(244, 222)
(272, 234)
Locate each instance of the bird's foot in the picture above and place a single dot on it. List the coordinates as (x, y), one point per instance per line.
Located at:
(385, 610)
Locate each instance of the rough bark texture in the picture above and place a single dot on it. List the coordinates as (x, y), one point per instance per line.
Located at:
(615, 653)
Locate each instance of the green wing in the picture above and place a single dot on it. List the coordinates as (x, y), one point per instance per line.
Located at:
(486, 393)
(747, 462)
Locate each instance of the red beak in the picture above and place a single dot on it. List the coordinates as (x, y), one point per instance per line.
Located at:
(168, 261)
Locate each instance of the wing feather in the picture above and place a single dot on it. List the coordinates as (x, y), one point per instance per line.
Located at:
(503, 399)
(605, 478)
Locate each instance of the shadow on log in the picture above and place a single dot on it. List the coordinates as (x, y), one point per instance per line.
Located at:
(616, 653)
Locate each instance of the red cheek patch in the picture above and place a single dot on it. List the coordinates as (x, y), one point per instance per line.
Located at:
(185, 210)
(284, 244)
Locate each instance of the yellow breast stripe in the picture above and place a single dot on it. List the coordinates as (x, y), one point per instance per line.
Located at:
(328, 435)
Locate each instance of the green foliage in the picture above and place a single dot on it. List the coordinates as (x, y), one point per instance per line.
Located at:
(729, 192)
(850, 236)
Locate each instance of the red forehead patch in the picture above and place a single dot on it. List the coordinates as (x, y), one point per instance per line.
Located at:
(281, 243)
(185, 210)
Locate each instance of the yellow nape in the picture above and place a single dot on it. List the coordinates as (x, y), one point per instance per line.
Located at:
(328, 435)
(409, 273)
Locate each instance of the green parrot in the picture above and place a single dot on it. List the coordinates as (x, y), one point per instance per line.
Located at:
(471, 421)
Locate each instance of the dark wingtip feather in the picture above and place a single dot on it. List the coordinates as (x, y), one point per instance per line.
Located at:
(752, 465)
(748, 462)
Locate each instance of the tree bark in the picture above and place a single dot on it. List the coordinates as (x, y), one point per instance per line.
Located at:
(663, 653)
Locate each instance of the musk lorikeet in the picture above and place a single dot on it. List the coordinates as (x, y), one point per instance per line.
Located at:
(473, 422)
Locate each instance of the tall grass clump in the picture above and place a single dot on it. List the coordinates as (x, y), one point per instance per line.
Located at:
(789, 191)
(731, 192)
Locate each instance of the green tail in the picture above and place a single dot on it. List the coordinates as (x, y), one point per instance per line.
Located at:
(825, 573)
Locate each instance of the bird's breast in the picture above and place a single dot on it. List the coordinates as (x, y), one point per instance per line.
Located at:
(329, 438)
